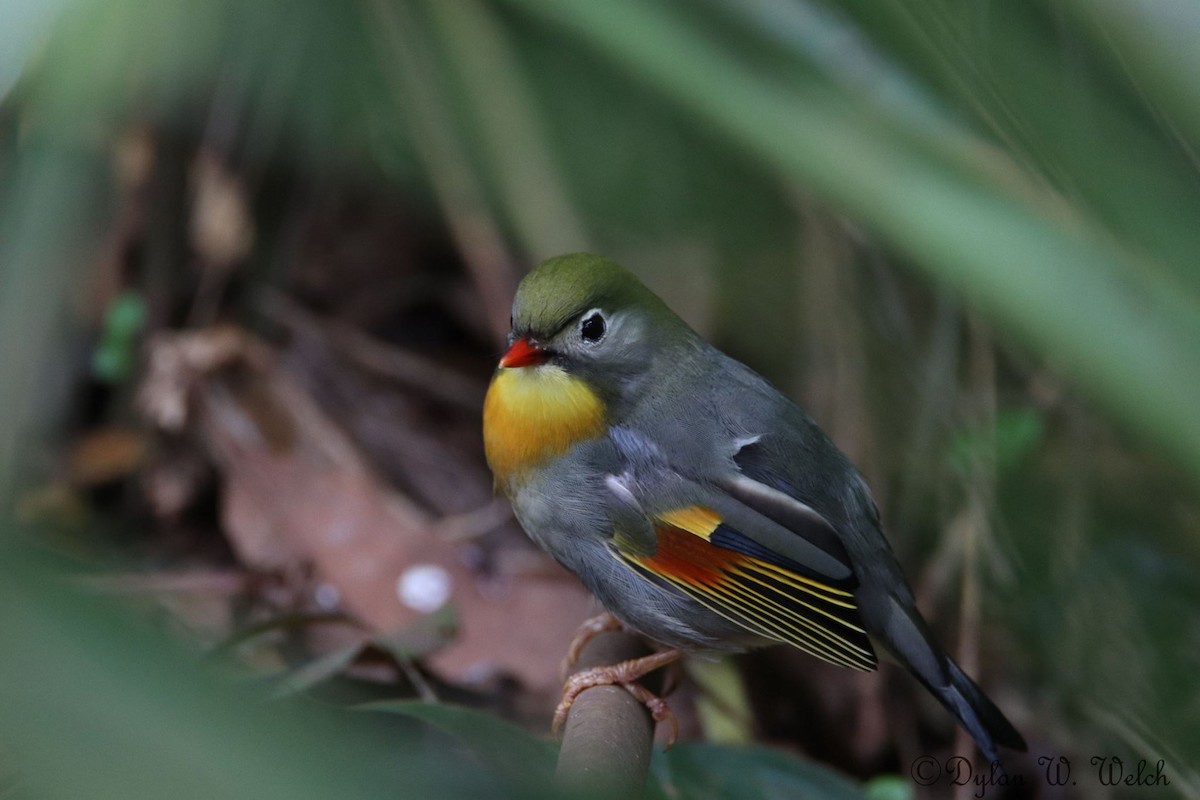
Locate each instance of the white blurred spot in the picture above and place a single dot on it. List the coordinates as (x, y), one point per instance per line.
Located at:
(327, 596)
(480, 672)
(425, 587)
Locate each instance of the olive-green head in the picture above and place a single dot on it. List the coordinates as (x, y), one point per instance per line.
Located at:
(593, 318)
(562, 288)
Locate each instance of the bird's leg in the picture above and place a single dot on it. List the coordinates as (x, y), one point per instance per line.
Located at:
(624, 674)
(590, 629)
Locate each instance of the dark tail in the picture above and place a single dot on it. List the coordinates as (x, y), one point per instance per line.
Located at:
(978, 715)
(908, 638)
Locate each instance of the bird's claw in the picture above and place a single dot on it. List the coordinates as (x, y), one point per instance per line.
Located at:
(625, 675)
(659, 710)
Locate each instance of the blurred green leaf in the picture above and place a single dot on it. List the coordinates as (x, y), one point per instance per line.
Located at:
(283, 622)
(26, 25)
(888, 787)
(317, 671)
(1154, 43)
(524, 759)
(52, 198)
(1036, 86)
(95, 706)
(701, 770)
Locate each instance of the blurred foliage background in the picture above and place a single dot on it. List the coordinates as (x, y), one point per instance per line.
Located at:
(255, 267)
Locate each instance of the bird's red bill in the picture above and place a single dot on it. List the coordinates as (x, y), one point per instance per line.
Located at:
(522, 353)
(759, 594)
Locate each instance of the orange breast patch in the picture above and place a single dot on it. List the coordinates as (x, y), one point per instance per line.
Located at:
(533, 414)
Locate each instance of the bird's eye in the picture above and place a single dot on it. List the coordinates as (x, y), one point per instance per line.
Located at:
(592, 328)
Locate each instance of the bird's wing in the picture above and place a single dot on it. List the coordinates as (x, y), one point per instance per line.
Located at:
(744, 566)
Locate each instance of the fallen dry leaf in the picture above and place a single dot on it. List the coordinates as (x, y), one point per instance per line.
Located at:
(297, 495)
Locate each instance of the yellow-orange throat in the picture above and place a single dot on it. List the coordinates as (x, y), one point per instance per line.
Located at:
(532, 414)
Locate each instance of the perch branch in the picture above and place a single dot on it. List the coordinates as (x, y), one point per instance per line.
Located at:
(609, 735)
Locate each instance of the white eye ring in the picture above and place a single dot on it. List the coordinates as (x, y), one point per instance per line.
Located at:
(593, 327)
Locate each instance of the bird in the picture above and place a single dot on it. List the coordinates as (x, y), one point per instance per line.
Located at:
(702, 507)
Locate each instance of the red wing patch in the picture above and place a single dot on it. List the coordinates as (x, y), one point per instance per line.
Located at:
(762, 595)
(689, 558)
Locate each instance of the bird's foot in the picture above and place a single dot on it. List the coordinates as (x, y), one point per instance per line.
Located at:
(590, 629)
(625, 674)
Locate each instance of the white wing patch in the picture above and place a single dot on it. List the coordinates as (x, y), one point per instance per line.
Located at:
(619, 486)
(742, 442)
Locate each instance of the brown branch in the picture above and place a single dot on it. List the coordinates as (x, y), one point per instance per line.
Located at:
(608, 737)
